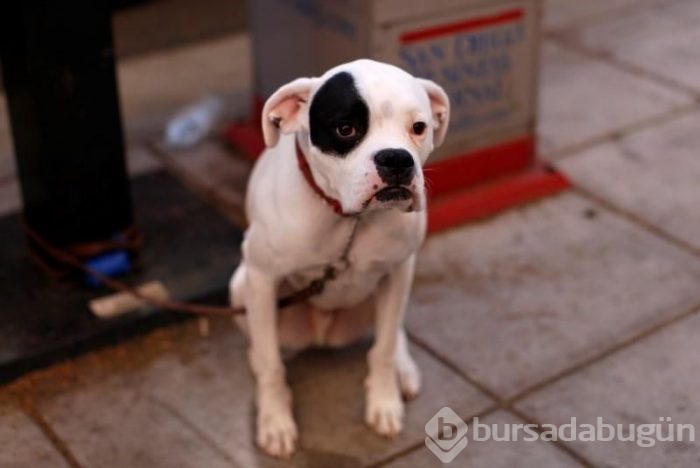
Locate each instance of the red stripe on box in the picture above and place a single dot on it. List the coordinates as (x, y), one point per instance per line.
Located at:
(468, 25)
(475, 167)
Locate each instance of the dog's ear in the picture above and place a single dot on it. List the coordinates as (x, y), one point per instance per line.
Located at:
(282, 111)
(440, 106)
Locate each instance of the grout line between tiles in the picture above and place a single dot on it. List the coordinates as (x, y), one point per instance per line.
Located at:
(637, 126)
(599, 16)
(507, 404)
(417, 446)
(669, 83)
(193, 428)
(483, 388)
(608, 352)
(638, 221)
(502, 403)
(560, 38)
(560, 445)
(33, 413)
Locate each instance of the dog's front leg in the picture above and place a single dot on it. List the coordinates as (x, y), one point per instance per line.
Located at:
(384, 407)
(276, 430)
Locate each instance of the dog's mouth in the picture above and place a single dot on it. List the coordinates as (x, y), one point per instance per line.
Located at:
(393, 194)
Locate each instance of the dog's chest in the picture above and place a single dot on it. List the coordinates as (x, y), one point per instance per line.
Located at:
(374, 252)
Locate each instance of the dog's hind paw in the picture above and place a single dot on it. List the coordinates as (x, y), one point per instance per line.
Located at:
(409, 381)
(277, 434)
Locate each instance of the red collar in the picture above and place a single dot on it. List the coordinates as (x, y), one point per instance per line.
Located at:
(306, 170)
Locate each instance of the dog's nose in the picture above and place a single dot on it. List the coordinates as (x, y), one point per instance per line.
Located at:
(395, 166)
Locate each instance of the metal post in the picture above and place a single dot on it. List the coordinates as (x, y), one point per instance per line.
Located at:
(59, 76)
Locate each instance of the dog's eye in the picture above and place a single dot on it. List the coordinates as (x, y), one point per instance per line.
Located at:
(419, 128)
(346, 130)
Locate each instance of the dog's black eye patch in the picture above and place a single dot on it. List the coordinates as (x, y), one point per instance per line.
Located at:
(338, 108)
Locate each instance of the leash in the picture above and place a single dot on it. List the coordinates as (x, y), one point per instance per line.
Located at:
(69, 259)
(131, 239)
(63, 256)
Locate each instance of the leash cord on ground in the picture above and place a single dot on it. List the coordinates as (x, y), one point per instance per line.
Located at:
(64, 257)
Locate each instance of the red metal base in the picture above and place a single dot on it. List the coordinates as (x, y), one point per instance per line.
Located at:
(484, 182)
(490, 198)
(247, 138)
(470, 186)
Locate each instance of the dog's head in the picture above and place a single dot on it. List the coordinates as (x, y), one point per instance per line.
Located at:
(370, 127)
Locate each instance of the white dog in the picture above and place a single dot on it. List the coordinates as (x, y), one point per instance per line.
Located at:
(338, 194)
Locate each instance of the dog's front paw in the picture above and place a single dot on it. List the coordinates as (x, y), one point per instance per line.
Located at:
(277, 433)
(385, 409)
(385, 416)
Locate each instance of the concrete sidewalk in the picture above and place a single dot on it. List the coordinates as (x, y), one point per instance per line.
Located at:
(583, 305)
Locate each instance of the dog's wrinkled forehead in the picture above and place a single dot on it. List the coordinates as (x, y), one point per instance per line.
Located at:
(338, 105)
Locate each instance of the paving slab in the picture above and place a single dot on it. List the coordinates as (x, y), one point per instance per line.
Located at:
(7, 162)
(10, 201)
(211, 387)
(213, 390)
(518, 299)
(23, 444)
(111, 424)
(154, 87)
(495, 454)
(582, 99)
(655, 378)
(140, 160)
(44, 320)
(653, 174)
(560, 14)
(214, 170)
(660, 37)
(154, 26)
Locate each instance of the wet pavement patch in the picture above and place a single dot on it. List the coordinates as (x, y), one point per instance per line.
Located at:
(189, 247)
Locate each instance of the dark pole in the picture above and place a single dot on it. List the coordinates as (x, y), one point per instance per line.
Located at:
(59, 76)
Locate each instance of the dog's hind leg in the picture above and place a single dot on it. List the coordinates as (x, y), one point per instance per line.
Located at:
(350, 325)
(294, 325)
(237, 294)
(409, 374)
